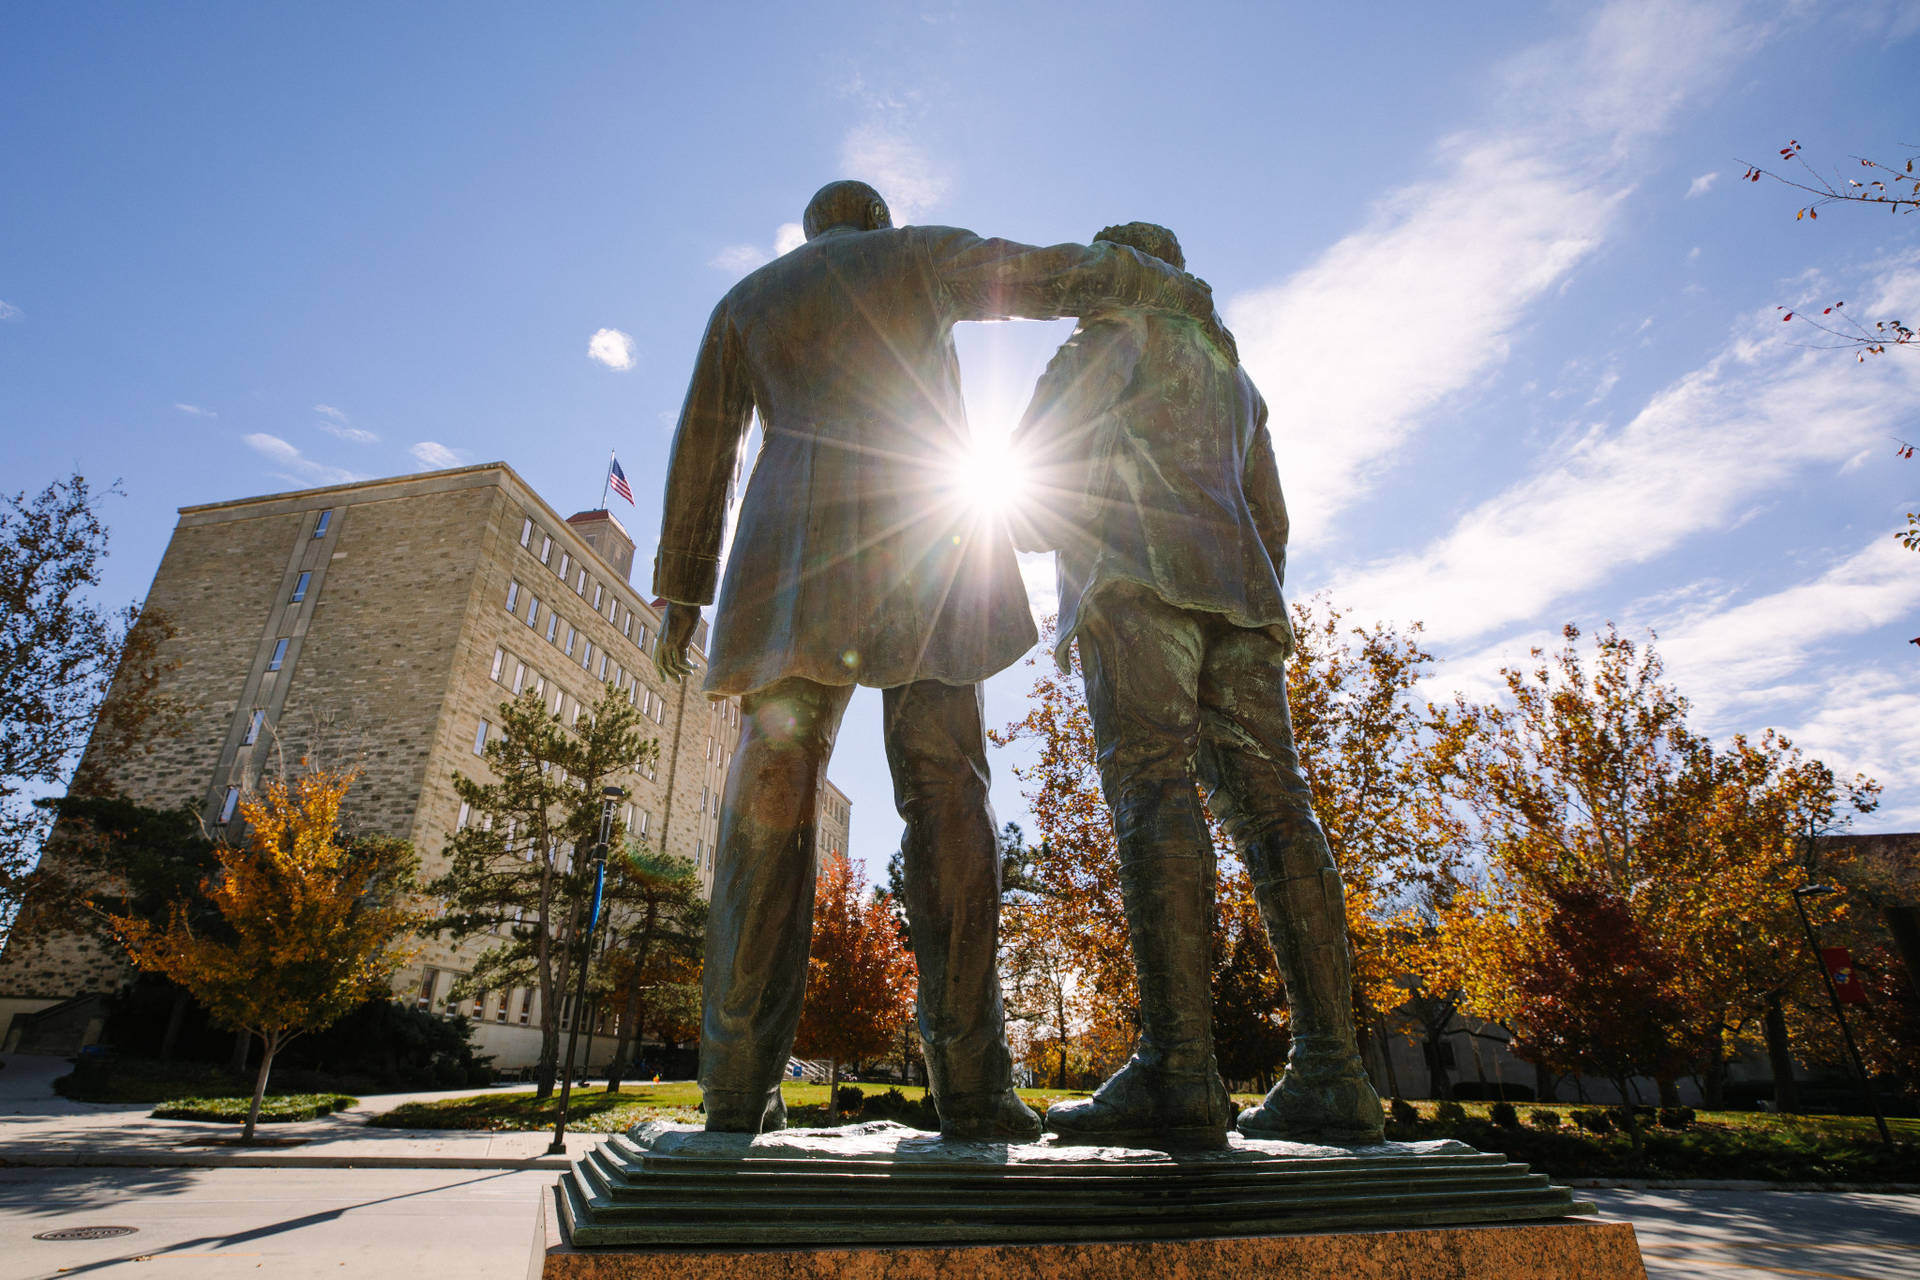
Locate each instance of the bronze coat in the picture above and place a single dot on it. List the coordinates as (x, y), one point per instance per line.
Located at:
(856, 560)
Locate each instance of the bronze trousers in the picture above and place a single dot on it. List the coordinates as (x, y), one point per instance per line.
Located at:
(1177, 695)
(761, 920)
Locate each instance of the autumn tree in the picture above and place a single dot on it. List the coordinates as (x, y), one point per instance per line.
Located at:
(1598, 996)
(860, 976)
(517, 871)
(311, 924)
(656, 929)
(1376, 763)
(1249, 1006)
(61, 653)
(1588, 774)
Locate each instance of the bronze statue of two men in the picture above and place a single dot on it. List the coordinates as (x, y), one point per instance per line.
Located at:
(855, 562)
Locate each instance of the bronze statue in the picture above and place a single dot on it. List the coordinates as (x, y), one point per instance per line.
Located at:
(1158, 490)
(854, 562)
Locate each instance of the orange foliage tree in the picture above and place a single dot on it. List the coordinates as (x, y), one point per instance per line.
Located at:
(1589, 775)
(311, 924)
(860, 975)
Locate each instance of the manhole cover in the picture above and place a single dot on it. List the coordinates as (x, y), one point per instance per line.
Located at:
(86, 1233)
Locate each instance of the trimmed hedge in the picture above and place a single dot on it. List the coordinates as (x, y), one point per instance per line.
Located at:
(274, 1108)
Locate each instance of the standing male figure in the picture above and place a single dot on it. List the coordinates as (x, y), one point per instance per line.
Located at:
(1157, 486)
(855, 562)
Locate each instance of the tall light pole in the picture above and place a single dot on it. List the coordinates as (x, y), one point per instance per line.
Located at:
(1839, 1010)
(610, 798)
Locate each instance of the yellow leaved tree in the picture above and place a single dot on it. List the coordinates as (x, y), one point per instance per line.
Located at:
(310, 924)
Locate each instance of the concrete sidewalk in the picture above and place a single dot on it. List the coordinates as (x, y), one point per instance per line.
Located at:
(38, 1128)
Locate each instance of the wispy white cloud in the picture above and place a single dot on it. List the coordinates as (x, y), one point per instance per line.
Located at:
(1702, 184)
(8, 311)
(431, 453)
(1516, 207)
(738, 259)
(1734, 654)
(611, 348)
(1695, 459)
(335, 423)
(886, 156)
(195, 411)
(296, 466)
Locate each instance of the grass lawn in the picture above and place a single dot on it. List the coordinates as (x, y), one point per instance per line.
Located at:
(274, 1108)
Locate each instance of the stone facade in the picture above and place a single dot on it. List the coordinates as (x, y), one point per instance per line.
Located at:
(377, 626)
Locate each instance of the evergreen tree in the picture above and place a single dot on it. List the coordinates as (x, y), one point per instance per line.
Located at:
(518, 870)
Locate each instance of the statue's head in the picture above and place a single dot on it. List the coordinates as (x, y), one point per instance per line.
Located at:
(845, 203)
(1154, 241)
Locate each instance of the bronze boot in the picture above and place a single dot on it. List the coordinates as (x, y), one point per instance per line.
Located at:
(729, 1112)
(1170, 1092)
(1324, 1094)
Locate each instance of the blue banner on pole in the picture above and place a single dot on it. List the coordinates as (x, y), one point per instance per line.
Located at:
(599, 888)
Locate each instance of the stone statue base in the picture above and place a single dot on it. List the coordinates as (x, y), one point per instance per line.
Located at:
(884, 1200)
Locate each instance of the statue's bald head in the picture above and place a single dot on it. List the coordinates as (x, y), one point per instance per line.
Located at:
(1149, 238)
(845, 203)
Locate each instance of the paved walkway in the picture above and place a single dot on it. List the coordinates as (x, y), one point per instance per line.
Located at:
(40, 1128)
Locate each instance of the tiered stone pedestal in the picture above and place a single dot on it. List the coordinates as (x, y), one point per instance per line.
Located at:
(669, 1201)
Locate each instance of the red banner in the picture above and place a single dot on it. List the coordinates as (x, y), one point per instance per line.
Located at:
(1846, 979)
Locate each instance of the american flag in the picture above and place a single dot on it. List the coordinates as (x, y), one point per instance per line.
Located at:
(618, 479)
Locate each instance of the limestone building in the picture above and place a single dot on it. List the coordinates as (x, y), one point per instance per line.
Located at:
(379, 626)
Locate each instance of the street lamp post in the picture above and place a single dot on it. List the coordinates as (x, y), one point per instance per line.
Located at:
(609, 800)
(1839, 1010)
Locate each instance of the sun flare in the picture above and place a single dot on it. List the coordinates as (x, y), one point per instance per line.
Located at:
(989, 477)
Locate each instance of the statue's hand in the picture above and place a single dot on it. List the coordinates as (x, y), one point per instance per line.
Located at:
(676, 635)
(1283, 632)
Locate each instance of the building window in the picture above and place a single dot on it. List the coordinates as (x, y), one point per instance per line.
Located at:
(526, 1006)
(586, 656)
(559, 696)
(526, 531)
(704, 794)
(300, 587)
(279, 654)
(546, 548)
(466, 811)
(566, 563)
(499, 665)
(479, 1006)
(642, 640)
(553, 625)
(598, 593)
(618, 674)
(700, 852)
(519, 676)
(613, 611)
(254, 722)
(539, 685)
(571, 635)
(428, 979)
(533, 609)
(513, 596)
(646, 820)
(506, 998)
(626, 624)
(480, 738)
(320, 526)
(580, 584)
(228, 805)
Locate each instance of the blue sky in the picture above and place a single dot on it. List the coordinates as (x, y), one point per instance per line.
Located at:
(1491, 265)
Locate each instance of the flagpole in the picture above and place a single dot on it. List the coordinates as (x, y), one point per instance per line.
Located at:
(606, 479)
